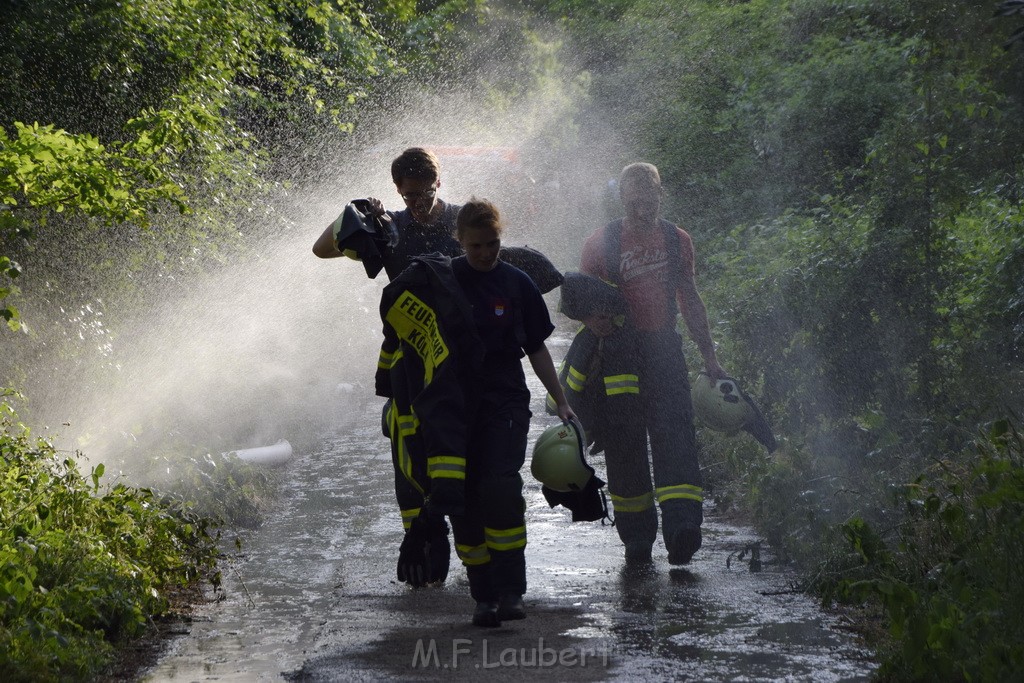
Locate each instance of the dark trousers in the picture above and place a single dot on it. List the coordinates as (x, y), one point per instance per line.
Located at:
(490, 537)
(663, 416)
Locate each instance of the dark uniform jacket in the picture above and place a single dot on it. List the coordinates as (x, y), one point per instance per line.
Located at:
(430, 355)
(598, 374)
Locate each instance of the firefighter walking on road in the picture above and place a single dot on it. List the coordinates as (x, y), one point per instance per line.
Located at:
(651, 261)
(460, 412)
(426, 225)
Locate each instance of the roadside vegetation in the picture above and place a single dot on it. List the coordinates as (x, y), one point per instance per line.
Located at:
(850, 172)
(142, 146)
(83, 565)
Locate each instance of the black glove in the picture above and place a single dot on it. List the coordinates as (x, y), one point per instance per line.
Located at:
(413, 562)
(438, 549)
(447, 497)
(385, 418)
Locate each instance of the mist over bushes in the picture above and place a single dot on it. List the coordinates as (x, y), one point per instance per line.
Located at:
(850, 173)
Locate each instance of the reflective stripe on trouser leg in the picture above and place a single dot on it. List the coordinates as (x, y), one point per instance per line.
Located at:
(679, 491)
(636, 521)
(505, 530)
(508, 559)
(632, 503)
(629, 480)
(681, 508)
(677, 476)
(506, 539)
(502, 436)
(473, 554)
(471, 548)
(477, 561)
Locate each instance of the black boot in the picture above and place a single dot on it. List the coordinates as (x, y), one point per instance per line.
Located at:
(510, 608)
(680, 522)
(486, 615)
(682, 546)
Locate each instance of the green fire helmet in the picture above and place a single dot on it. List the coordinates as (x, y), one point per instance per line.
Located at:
(719, 406)
(558, 460)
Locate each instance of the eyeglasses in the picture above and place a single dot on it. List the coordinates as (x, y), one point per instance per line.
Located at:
(416, 196)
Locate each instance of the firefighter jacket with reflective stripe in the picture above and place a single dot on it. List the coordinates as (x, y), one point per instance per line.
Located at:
(601, 382)
(430, 355)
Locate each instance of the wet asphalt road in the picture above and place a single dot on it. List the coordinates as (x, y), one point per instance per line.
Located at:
(313, 597)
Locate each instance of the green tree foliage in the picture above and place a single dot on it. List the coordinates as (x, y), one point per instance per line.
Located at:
(848, 143)
(851, 175)
(133, 134)
(134, 106)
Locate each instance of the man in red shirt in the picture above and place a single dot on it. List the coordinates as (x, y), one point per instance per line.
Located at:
(651, 261)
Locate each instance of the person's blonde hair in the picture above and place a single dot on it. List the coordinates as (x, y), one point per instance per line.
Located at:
(415, 163)
(640, 172)
(478, 213)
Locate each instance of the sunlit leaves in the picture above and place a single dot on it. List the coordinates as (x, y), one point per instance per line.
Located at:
(46, 168)
(136, 106)
(8, 271)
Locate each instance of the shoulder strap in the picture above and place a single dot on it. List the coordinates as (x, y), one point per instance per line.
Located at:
(518, 313)
(671, 246)
(674, 265)
(613, 249)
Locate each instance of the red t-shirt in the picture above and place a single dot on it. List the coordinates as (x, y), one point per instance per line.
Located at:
(643, 271)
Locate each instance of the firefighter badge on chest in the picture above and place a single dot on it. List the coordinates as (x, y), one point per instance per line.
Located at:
(501, 307)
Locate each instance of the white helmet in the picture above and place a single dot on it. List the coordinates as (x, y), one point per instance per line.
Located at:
(558, 460)
(720, 406)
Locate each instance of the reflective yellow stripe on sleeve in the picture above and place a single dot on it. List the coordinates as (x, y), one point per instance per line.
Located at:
(409, 515)
(621, 384)
(402, 426)
(386, 360)
(575, 379)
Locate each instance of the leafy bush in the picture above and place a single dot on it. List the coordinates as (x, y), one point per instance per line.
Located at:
(948, 576)
(81, 569)
(217, 486)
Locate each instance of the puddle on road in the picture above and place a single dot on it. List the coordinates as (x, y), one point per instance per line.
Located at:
(314, 597)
